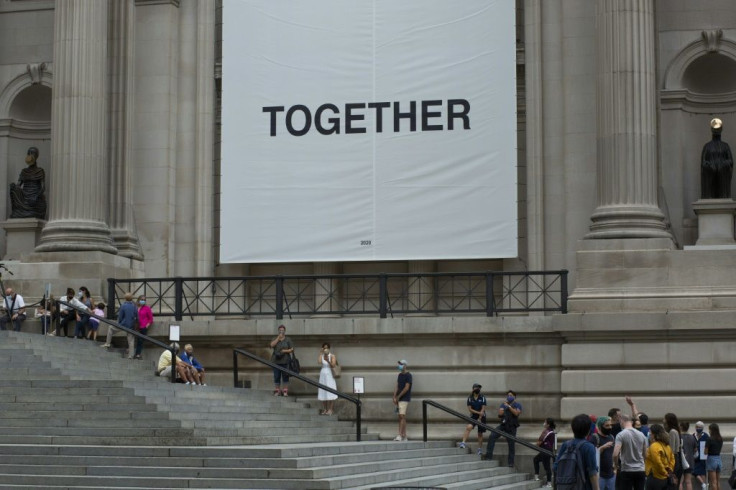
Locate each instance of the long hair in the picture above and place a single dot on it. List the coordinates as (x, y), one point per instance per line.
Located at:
(715, 432)
(670, 422)
(660, 435)
(550, 423)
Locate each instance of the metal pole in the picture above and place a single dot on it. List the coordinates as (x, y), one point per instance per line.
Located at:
(424, 421)
(235, 369)
(178, 298)
(383, 296)
(111, 298)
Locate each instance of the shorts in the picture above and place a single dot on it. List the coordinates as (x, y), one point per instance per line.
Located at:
(165, 372)
(713, 463)
(481, 430)
(402, 407)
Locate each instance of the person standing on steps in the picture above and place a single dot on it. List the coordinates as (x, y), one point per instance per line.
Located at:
(127, 317)
(145, 320)
(476, 403)
(402, 397)
(509, 413)
(327, 361)
(282, 347)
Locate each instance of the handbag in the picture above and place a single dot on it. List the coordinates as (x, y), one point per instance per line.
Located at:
(294, 365)
(336, 371)
(732, 479)
(683, 460)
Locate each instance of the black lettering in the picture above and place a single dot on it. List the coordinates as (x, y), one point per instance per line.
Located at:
(307, 120)
(451, 114)
(411, 116)
(350, 117)
(273, 110)
(426, 114)
(334, 121)
(379, 106)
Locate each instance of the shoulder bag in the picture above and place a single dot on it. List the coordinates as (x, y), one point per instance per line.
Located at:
(336, 371)
(294, 365)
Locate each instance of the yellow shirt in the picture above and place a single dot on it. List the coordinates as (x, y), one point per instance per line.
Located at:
(164, 361)
(660, 460)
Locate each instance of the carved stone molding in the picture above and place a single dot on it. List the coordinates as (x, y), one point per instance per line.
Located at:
(712, 39)
(35, 71)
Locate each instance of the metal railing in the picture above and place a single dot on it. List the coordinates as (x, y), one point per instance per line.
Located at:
(292, 374)
(425, 421)
(440, 293)
(137, 334)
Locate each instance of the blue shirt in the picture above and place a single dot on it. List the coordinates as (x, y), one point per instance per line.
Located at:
(587, 451)
(509, 419)
(477, 404)
(184, 356)
(403, 380)
(128, 314)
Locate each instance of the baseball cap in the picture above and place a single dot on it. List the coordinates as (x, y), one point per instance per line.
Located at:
(476, 385)
(403, 361)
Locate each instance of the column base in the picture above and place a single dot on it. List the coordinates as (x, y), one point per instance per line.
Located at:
(22, 236)
(126, 244)
(715, 222)
(627, 222)
(76, 236)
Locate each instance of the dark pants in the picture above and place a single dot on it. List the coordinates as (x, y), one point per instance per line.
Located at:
(492, 443)
(139, 342)
(656, 483)
(80, 329)
(545, 460)
(631, 480)
(4, 319)
(64, 320)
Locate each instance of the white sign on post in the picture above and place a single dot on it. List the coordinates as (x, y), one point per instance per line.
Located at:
(358, 385)
(174, 333)
(359, 130)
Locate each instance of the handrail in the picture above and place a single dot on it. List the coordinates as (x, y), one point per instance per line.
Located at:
(130, 331)
(479, 423)
(340, 394)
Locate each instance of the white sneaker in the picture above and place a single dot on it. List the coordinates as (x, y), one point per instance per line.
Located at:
(479, 452)
(704, 486)
(548, 485)
(536, 477)
(397, 439)
(461, 445)
(405, 439)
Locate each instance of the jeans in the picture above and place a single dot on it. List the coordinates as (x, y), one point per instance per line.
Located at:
(16, 323)
(139, 342)
(544, 459)
(607, 483)
(492, 443)
(280, 376)
(80, 329)
(631, 480)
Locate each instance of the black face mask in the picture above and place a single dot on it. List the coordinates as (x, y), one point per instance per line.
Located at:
(477, 392)
(605, 431)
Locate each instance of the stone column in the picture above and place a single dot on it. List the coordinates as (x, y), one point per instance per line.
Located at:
(78, 194)
(122, 106)
(627, 123)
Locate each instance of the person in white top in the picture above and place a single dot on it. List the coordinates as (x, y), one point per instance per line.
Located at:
(68, 314)
(15, 310)
(328, 361)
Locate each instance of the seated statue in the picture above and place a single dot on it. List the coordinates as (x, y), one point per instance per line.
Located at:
(27, 199)
(716, 167)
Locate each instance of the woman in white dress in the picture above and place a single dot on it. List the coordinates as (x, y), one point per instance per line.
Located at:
(327, 360)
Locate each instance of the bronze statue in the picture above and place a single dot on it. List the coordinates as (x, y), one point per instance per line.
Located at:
(27, 197)
(716, 167)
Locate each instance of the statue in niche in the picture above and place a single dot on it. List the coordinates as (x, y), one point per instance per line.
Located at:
(716, 167)
(27, 199)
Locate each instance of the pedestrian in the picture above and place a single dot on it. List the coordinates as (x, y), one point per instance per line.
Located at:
(509, 413)
(15, 310)
(615, 423)
(194, 367)
(688, 450)
(672, 426)
(604, 441)
(660, 460)
(546, 441)
(701, 441)
(67, 313)
(630, 450)
(327, 361)
(476, 404)
(145, 320)
(638, 416)
(566, 467)
(713, 464)
(127, 317)
(80, 328)
(402, 397)
(94, 323)
(282, 348)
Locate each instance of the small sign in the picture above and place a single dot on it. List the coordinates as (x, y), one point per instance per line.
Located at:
(174, 333)
(358, 385)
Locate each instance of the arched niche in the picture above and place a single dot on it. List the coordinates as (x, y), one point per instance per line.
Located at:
(699, 83)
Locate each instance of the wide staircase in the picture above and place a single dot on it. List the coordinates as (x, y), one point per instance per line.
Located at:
(75, 416)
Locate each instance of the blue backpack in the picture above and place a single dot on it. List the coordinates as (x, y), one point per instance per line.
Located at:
(570, 474)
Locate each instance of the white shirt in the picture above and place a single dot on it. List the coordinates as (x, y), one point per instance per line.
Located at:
(19, 304)
(74, 302)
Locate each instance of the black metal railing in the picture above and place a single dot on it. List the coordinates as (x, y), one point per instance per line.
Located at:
(136, 333)
(292, 374)
(440, 293)
(425, 421)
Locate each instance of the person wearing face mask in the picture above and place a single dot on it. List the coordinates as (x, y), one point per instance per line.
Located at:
(701, 441)
(402, 397)
(85, 297)
(68, 314)
(603, 440)
(509, 413)
(688, 450)
(145, 320)
(546, 441)
(477, 407)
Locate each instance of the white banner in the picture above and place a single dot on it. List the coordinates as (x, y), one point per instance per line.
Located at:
(357, 130)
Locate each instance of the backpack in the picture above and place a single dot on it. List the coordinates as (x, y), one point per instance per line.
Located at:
(570, 474)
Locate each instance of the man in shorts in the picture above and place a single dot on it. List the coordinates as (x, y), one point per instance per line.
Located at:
(402, 397)
(477, 407)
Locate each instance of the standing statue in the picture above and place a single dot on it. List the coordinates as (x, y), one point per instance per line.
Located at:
(716, 167)
(27, 197)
